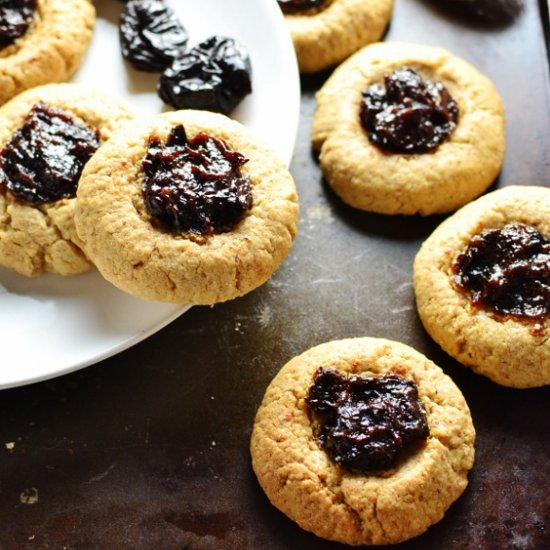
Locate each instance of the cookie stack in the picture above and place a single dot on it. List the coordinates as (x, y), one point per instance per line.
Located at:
(184, 208)
(42, 134)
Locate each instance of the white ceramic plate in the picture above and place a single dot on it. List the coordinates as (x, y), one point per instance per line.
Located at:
(53, 325)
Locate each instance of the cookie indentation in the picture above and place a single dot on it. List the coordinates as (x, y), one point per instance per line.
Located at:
(301, 6)
(408, 114)
(44, 158)
(15, 19)
(195, 185)
(365, 423)
(507, 271)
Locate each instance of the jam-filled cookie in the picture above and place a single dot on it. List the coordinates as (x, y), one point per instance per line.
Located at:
(363, 441)
(42, 41)
(325, 32)
(482, 284)
(186, 207)
(407, 129)
(47, 134)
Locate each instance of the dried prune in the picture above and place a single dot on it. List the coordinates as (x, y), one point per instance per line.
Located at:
(408, 114)
(490, 12)
(195, 185)
(507, 271)
(151, 35)
(297, 6)
(365, 422)
(15, 19)
(43, 160)
(214, 75)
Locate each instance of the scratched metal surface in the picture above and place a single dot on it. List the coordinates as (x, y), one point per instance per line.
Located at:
(150, 448)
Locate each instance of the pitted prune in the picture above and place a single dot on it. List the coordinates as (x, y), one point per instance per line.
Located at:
(195, 185)
(490, 12)
(408, 114)
(507, 271)
(215, 76)
(43, 160)
(15, 19)
(365, 423)
(151, 35)
(297, 6)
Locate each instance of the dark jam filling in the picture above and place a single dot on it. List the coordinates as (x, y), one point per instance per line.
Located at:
(195, 185)
(365, 423)
(15, 19)
(408, 114)
(151, 35)
(297, 6)
(507, 271)
(43, 160)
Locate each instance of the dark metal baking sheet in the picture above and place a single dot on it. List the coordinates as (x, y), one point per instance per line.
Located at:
(150, 448)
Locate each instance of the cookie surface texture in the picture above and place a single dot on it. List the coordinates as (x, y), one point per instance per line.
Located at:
(42, 238)
(180, 267)
(52, 48)
(508, 351)
(303, 482)
(324, 37)
(368, 178)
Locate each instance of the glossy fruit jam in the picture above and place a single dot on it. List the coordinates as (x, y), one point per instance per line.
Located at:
(44, 158)
(408, 114)
(365, 422)
(195, 185)
(507, 271)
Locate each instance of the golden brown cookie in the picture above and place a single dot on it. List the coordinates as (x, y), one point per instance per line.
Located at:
(41, 238)
(325, 36)
(509, 351)
(135, 254)
(359, 508)
(51, 49)
(369, 178)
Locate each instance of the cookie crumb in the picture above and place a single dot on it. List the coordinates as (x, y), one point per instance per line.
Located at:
(320, 212)
(265, 316)
(29, 496)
